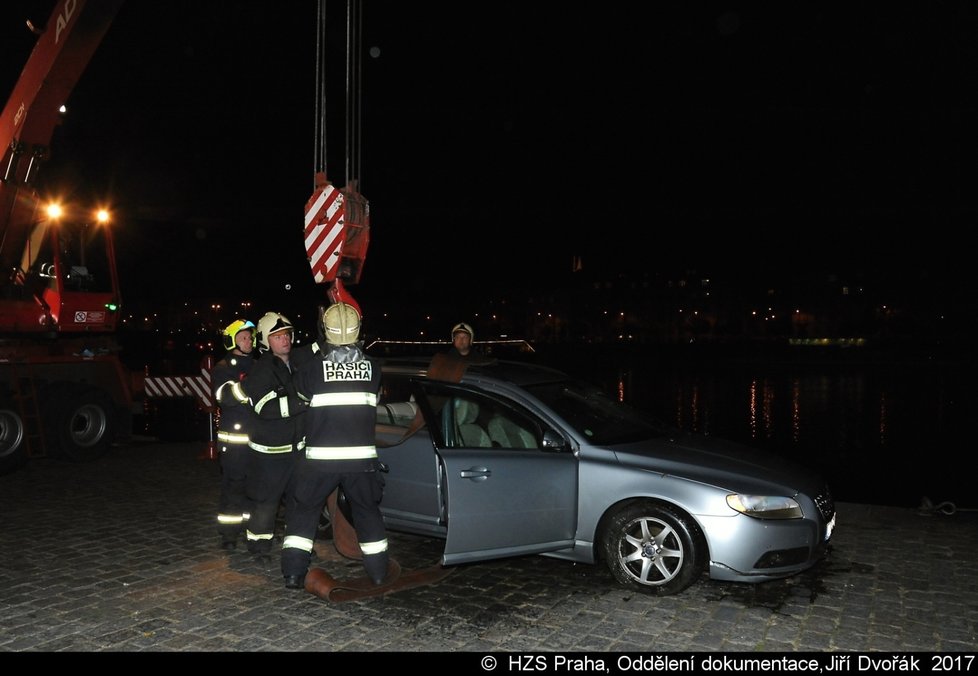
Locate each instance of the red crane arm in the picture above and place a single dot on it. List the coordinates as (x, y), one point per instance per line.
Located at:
(28, 120)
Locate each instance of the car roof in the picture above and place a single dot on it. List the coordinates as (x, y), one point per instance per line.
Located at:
(519, 373)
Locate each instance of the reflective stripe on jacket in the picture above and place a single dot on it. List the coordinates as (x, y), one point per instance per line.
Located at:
(342, 408)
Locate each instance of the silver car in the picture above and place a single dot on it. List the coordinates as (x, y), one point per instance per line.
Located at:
(512, 458)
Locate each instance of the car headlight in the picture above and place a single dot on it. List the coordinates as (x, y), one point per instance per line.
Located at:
(765, 506)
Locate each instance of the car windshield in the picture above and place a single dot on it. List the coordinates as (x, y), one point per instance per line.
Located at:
(594, 415)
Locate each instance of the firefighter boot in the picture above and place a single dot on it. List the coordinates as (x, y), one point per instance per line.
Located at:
(295, 565)
(376, 567)
(295, 581)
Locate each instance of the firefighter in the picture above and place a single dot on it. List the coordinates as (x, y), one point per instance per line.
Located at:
(341, 384)
(232, 433)
(462, 339)
(276, 435)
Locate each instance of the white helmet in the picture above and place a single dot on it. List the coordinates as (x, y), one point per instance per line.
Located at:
(272, 322)
(341, 324)
(462, 326)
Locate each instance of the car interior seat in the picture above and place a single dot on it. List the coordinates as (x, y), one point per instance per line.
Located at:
(401, 412)
(506, 434)
(472, 434)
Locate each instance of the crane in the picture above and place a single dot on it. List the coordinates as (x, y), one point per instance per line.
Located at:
(64, 390)
(337, 220)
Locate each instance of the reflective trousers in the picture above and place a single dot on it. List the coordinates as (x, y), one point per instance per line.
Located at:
(269, 483)
(233, 505)
(314, 483)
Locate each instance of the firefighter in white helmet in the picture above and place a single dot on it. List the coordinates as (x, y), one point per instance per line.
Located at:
(462, 338)
(232, 433)
(276, 436)
(341, 384)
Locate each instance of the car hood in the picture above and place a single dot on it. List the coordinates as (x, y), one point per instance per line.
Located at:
(721, 463)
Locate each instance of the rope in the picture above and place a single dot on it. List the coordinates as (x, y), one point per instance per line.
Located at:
(948, 508)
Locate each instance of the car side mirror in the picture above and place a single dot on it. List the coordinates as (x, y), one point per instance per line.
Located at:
(553, 441)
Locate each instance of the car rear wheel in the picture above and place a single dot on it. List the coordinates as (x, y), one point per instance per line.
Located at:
(653, 548)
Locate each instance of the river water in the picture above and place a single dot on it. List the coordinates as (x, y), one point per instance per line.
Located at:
(880, 433)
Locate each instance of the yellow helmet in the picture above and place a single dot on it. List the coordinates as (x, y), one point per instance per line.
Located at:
(341, 324)
(233, 329)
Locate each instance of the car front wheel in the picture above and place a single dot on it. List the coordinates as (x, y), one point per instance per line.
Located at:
(653, 548)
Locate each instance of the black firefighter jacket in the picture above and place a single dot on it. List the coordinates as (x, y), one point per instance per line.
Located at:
(236, 411)
(341, 385)
(279, 412)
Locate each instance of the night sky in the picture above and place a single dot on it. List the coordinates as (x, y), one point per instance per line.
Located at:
(501, 139)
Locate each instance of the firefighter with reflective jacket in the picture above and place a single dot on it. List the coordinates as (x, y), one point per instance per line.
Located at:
(276, 435)
(341, 384)
(232, 433)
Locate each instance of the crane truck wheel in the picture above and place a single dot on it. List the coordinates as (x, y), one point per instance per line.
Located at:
(80, 423)
(13, 449)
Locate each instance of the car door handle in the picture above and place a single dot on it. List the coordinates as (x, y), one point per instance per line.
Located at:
(477, 473)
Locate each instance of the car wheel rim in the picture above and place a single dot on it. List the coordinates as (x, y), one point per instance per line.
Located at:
(650, 551)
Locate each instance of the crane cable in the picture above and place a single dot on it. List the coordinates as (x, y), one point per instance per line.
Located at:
(319, 160)
(354, 90)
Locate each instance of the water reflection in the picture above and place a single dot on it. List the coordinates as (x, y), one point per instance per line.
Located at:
(880, 435)
(883, 418)
(795, 410)
(753, 409)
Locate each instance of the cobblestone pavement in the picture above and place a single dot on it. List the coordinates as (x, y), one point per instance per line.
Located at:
(122, 555)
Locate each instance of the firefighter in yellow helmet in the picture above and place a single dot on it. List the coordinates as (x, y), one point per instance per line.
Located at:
(276, 436)
(341, 384)
(232, 433)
